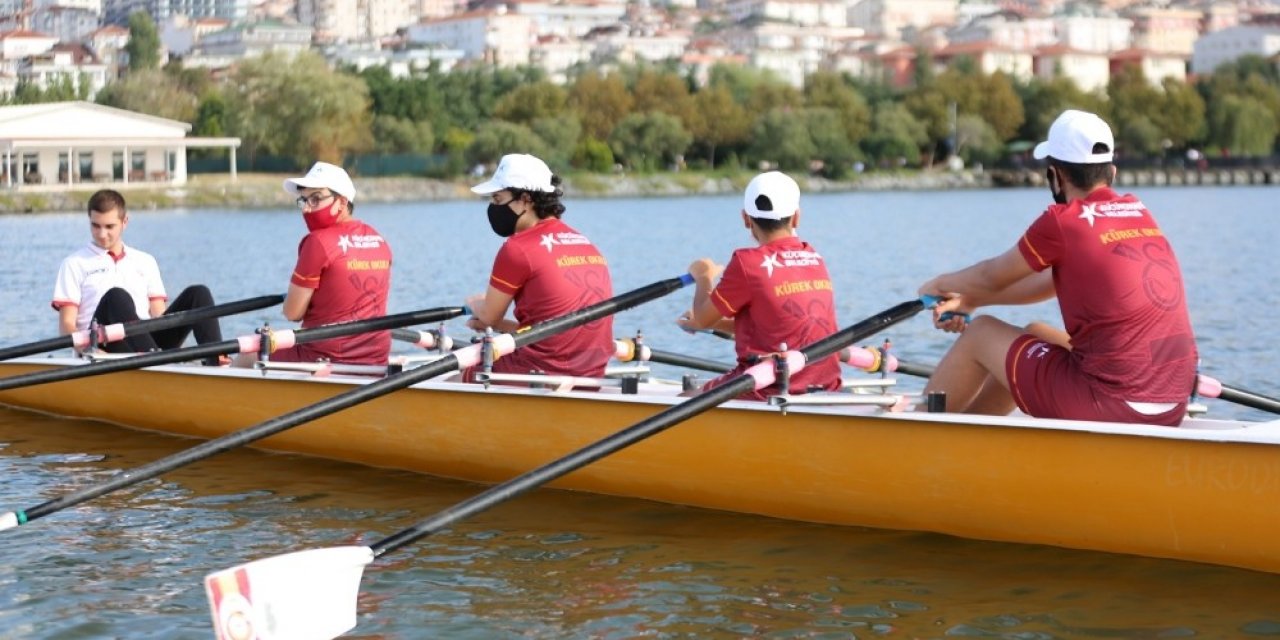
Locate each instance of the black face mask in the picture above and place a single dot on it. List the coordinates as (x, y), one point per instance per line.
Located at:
(502, 219)
(1059, 197)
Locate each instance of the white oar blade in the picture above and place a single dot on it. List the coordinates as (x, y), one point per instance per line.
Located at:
(307, 595)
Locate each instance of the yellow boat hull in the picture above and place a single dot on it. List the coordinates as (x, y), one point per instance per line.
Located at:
(1208, 492)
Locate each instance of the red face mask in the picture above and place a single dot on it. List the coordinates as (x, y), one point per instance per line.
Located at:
(318, 219)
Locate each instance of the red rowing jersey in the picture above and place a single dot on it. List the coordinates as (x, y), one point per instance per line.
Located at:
(349, 267)
(1120, 290)
(550, 269)
(779, 293)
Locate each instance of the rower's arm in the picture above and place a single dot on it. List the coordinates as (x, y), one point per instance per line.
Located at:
(296, 302)
(1004, 279)
(67, 319)
(1036, 287)
(489, 312)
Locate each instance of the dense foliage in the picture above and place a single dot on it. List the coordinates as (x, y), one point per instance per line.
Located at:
(652, 118)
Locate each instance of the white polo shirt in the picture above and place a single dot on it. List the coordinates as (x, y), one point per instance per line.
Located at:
(86, 275)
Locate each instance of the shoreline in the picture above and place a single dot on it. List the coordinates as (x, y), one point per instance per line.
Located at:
(263, 190)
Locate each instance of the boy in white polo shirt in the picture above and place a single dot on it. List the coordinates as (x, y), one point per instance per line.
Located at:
(109, 282)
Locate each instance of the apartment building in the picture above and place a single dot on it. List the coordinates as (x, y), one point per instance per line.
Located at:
(1213, 49)
(492, 36)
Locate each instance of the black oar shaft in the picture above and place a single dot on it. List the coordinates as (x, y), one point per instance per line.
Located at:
(669, 417)
(1249, 399)
(915, 369)
(245, 436)
(222, 348)
(572, 462)
(167, 321)
(346, 399)
(691, 362)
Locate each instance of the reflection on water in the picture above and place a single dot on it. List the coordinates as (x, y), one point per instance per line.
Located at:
(552, 564)
(555, 564)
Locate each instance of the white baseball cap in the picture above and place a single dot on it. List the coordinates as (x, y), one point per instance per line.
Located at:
(323, 176)
(518, 171)
(1073, 136)
(773, 196)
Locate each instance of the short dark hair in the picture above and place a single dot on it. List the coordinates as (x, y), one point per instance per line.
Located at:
(1085, 176)
(545, 205)
(769, 225)
(107, 200)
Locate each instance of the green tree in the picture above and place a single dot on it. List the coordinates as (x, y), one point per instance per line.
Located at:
(781, 139)
(152, 92)
(718, 120)
(829, 90)
(530, 102)
(664, 92)
(143, 48)
(645, 140)
(1181, 118)
(895, 133)
(400, 135)
(298, 108)
(593, 155)
(560, 136)
(1135, 108)
(496, 138)
(976, 139)
(1044, 100)
(1242, 125)
(601, 101)
(211, 116)
(831, 143)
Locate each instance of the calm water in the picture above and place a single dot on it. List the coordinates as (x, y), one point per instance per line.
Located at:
(556, 564)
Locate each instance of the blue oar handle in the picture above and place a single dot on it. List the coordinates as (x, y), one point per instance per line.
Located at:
(933, 301)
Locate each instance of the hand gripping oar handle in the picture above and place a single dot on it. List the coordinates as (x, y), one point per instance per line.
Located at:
(1212, 388)
(751, 379)
(119, 331)
(375, 389)
(243, 344)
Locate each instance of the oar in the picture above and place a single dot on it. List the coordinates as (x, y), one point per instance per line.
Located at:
(1212, 388)
(425, 339)
(312, 594)
(243, 344)
(628, 351)
(122, 330)
(503, 344)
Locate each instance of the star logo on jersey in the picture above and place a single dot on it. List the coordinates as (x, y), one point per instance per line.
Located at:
(770, 261)
(548, 241)
(1089, 212)
(344, 243)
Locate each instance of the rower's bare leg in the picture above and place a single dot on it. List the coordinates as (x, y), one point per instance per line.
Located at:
(993, 399)
(978, 354)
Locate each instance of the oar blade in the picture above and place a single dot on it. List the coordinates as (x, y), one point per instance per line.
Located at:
(307, 595)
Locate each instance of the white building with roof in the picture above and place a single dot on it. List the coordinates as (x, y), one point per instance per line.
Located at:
(1096, 33)
(1090, 70)
(825, 13)
(70, 62)
(221, 49)
(888, 18)
(18, 44)
(63, 144)
(493, 36)
(1219, 47)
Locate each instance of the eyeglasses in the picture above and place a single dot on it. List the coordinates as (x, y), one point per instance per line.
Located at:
(312, 201)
